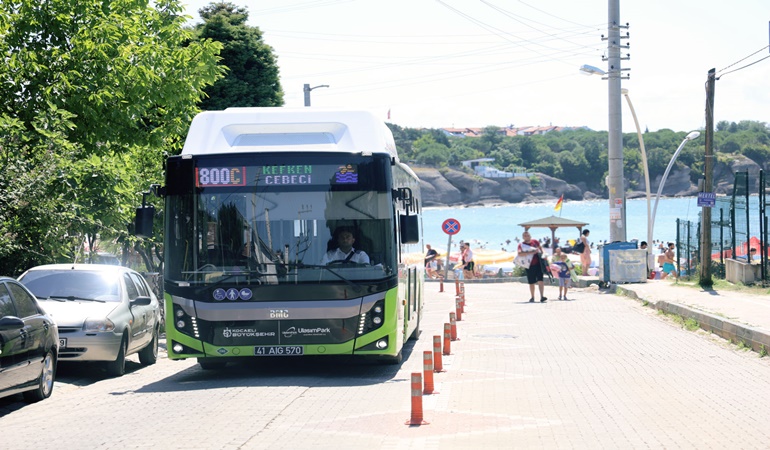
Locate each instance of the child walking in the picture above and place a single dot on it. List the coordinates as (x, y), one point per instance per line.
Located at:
(564, 276)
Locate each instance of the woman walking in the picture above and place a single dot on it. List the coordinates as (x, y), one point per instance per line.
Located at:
(531, 250)
(585, 256)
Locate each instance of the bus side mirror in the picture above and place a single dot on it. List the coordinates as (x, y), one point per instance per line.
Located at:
(143, 221)
(410, 229)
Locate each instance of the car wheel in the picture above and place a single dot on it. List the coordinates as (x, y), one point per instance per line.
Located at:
(118, 367)
(45, 382)
(149, 354)
(207, 364)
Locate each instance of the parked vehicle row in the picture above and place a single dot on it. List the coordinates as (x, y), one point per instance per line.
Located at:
(73, 312)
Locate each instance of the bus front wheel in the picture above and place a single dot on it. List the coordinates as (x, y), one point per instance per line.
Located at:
(392, 360)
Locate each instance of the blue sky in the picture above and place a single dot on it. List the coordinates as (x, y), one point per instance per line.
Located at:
(475, 63)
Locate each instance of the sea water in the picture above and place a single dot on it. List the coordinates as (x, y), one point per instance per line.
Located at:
(497, 227)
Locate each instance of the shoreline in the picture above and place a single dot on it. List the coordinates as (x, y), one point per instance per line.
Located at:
(497, 227)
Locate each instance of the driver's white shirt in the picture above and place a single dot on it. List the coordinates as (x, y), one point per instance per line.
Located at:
(359, 257)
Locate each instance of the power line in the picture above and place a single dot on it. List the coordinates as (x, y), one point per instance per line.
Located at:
(526, 22)
(514, 39)
(720, 74)
(743, 67)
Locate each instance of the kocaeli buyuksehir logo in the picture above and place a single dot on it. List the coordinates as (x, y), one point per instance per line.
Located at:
(347, 174)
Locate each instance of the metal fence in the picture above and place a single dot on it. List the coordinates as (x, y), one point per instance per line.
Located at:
(740, 215)
(687, 246)
(737, 228)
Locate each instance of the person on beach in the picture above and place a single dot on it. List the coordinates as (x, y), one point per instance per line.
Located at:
(530, 249)
(468, 264)
(585, 257)
(431, 262)
(668, 262)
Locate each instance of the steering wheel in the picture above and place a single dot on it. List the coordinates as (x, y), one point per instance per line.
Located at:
(207, 267)
(347, 263)
(340, 261)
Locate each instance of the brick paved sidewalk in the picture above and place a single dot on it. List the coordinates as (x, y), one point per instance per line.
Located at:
(737, 316)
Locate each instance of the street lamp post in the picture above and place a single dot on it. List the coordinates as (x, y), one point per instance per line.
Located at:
(646, 175)
(689, 137)
(306, 89)
(615, 182)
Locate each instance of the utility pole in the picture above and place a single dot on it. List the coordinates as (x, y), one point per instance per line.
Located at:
(615, 181)
(708, 183)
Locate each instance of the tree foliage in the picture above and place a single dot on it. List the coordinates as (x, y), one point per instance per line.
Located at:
(580, 155)
(252, 72)
(93, 93)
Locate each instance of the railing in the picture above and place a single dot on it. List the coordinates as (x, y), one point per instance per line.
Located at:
(731, 233)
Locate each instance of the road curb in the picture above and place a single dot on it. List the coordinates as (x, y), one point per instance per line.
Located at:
(733, 331)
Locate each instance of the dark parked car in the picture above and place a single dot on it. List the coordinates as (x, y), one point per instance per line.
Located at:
(104, 312)
(29, 343)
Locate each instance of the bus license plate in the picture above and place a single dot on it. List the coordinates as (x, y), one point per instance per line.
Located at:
(62, 342)
(278, 350)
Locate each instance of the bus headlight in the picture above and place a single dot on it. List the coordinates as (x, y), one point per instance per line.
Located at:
(185, 323)
(372, 319)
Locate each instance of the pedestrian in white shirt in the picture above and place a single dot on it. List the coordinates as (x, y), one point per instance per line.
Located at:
(345, 253)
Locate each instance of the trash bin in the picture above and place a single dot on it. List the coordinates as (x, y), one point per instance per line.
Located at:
(628, 266)
(605, 263)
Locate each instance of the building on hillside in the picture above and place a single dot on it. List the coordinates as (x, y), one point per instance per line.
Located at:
(505, 131)
(490, 172)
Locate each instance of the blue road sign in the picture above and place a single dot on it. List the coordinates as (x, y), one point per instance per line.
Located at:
(707, 199)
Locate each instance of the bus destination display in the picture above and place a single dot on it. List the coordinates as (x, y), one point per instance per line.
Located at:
(276, 175)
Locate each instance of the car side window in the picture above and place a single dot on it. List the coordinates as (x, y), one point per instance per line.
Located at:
(25, 303)
(6, 305)
(130, 287)
(140, 285)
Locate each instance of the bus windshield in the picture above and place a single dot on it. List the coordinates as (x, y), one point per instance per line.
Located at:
(258, 225)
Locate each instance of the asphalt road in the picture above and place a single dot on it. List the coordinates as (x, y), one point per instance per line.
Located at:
(600, 371)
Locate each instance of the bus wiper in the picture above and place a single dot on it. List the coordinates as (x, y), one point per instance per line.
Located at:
(73, 298)
(225, 276)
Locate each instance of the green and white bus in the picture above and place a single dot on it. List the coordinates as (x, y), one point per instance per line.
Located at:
(252, 206)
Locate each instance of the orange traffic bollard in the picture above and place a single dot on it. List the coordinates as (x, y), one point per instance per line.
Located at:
(453, 326)
(458, 310)
(457, 286)
(416, 386)
(447, 339)
(438, 364)
(441, 284)
(461, 302)
(427, 363)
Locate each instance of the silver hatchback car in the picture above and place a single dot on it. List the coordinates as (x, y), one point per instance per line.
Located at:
(104, 312)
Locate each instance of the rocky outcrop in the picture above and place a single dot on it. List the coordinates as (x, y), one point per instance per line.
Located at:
(437, 190)
(724, 174)
(451, 187)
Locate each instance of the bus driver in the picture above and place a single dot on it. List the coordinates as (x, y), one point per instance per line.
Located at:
(345, 252)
